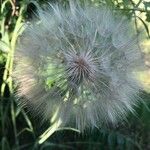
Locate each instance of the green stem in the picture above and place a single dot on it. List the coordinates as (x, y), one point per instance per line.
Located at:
(49, 131)
(132, 9)
(13, 46)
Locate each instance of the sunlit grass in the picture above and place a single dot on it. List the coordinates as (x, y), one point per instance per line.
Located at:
(145, 80)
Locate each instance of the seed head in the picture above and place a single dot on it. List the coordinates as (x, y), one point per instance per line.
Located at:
(78, 65)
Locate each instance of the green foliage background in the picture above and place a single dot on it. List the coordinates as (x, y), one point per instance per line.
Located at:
(19, 131)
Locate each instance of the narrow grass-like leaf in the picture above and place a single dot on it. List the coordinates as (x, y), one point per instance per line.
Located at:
(145, 25)
(4, 47)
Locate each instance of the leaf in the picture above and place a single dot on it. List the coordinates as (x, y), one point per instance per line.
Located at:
(5, 144)
(129, 145)
(4, 47)
(111, 140)
(148, 16)
(120, 139)
(3, 5)
(146, 4)
(54, 127)
(145, 25)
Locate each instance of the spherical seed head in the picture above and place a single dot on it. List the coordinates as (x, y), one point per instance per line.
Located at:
(78, 66)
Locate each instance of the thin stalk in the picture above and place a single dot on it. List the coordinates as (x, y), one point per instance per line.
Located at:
(7, 79)
(49, 132)
(13, 46)
(131, 9)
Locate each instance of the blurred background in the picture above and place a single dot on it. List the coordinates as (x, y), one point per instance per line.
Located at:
(20, 131)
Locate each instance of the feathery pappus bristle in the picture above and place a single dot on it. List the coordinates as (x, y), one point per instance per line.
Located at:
(79, 65)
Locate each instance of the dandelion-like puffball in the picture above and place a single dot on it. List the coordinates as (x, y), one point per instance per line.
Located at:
(78, 66)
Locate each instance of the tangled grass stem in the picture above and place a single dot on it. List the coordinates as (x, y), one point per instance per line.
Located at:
(10, 55)
(7, 76)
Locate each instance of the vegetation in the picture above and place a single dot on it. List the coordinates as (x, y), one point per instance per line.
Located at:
(19, 131)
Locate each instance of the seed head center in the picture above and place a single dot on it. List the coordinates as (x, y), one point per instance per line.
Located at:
(80, 62)
(80, 68)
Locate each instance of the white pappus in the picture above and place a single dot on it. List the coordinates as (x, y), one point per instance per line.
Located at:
(79, 65)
